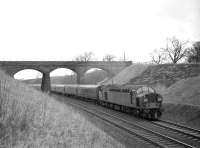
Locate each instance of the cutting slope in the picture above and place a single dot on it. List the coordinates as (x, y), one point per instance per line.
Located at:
(166, 74)
(186, 91)
(94, 77)
(128, 73)
(29, 118)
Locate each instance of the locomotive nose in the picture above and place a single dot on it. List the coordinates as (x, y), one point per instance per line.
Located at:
(154, 97)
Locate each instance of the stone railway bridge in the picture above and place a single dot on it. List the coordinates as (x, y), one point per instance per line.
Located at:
(46, 67)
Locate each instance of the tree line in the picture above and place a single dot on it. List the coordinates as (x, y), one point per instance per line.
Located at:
(176, 51)
(89, 56)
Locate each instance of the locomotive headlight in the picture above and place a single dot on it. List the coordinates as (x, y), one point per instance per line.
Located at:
(159, 99)
(145, 100)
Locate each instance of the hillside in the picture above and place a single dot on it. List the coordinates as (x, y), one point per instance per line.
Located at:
(166, 74)
(94, 77)
(31, 119)
(127, 74)
(185, 91)
(33, 81)
(182, 102)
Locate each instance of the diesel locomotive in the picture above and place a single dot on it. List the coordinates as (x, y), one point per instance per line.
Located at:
(140, 100)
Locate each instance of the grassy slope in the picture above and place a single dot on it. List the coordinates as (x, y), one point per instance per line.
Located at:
(185, 91)
(29, 118)
(184, 114)
(94, 77)
(166, 74)
(128, 73)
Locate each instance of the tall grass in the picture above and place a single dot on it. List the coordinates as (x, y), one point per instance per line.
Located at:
(31, 119)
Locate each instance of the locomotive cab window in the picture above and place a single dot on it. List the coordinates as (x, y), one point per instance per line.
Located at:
(145, 90)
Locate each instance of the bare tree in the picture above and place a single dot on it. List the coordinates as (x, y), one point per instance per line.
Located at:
(85, 57)
(176, 49)
(158, 57)
(108, 57)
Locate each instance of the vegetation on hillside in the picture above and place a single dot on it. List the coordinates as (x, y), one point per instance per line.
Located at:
(94, 77)
(127, 74)
(31, 119)
(182, 113)
(166, 74)
(185, 91)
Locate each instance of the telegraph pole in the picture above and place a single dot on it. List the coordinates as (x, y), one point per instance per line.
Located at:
(124, 56)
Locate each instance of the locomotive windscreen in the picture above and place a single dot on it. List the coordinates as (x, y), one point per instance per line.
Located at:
(144, 90)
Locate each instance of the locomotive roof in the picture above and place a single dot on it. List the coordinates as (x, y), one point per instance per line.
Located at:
(128, 87)
(75, 85)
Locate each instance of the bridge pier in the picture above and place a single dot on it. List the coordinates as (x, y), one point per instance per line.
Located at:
(78, 79)
(46, 82)
(80, 73)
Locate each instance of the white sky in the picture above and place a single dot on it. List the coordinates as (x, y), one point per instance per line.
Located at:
(61, 30)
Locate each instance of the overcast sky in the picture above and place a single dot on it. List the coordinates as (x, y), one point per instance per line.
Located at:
(61, 29)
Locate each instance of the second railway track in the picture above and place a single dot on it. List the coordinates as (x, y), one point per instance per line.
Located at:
(142, 129)
(180, 128)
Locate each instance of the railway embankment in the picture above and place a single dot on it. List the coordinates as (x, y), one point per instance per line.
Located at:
(188, 115)
(166, 75)
(182, 102)
(29, 118)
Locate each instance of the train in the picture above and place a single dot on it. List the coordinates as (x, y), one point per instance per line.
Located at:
(140, 100)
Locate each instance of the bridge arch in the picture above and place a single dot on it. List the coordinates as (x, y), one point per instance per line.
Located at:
(29, 73)
(13, 72)
(106, 69)
(94, 76)
(63, 75)
(29, 76)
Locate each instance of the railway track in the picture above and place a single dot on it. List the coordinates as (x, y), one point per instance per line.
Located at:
(137, 128)
(182, 133)
(176, 126)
